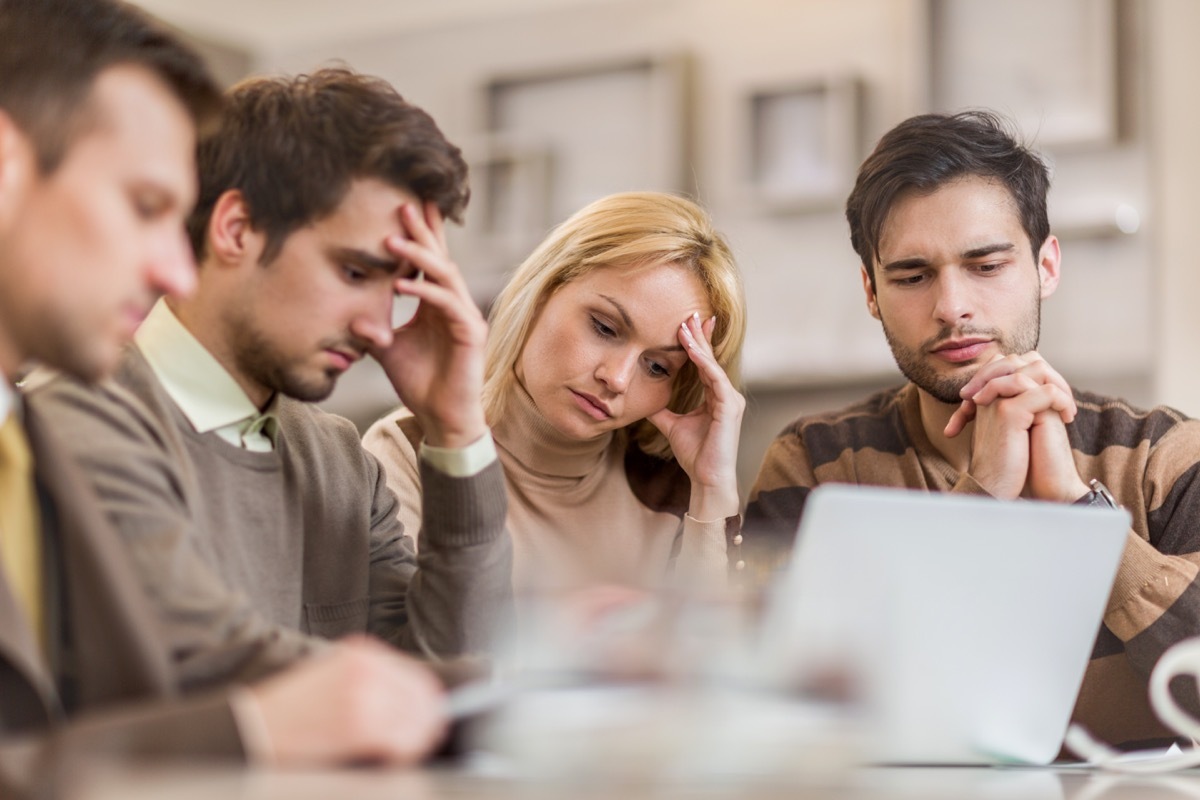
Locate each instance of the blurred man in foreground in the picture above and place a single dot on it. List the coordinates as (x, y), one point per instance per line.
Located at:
(98, 114)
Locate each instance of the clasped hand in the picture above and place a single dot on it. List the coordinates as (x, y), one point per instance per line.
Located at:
(1019, 447)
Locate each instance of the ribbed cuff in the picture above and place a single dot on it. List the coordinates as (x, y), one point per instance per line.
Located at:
(461, 462)
(460, 512)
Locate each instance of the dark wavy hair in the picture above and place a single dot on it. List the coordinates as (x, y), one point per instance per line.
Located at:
(52, 51)
(293, 145)
(924, 153)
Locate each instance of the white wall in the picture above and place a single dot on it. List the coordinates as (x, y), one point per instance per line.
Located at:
(1174, 143)
(800, 271)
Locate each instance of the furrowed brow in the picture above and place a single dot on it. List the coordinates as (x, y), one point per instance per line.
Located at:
(905, 264)
(989, 249)
(361, 258)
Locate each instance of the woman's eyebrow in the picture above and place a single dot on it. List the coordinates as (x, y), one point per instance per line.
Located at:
(621, 310)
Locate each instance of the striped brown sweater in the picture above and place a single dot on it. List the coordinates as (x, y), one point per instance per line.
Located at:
(1149, 459)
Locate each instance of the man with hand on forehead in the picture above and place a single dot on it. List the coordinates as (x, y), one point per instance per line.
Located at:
(948, 216)
(258, 523)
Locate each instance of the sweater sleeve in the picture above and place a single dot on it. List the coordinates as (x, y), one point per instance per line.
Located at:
(54, 764)
(397, 453)
(462, 587)
(776, 504)
(214, 633)
(1155, 601)
(705, 551)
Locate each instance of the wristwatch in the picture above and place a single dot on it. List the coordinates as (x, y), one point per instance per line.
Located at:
(1098, 497)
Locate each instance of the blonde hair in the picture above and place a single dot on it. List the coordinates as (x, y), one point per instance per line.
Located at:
(631, 229)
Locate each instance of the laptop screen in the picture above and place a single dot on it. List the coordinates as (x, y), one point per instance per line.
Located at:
(965, 623)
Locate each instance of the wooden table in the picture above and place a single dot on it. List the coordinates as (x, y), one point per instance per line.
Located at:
(877, 783)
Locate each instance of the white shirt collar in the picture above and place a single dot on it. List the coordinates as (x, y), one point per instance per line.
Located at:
(8, 398)
(202, 388)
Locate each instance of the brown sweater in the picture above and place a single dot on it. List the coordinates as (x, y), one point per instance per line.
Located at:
(578, 512)
(104, 688)
(248, 556)
(1149, 459)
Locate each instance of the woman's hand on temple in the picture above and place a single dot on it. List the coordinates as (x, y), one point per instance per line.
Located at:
(705, 440)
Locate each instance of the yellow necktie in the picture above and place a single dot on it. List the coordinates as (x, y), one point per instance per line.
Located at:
(20, 530)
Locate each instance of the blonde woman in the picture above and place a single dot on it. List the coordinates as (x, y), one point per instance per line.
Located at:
(612, 361)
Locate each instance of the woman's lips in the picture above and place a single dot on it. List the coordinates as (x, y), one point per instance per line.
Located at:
(591, 406)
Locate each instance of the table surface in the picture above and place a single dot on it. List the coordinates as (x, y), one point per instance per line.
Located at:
(875, 783)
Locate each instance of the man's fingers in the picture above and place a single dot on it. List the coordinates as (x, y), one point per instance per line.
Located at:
(424, 712)
(1010, 386)
(1039, 371)
(1004, 386)
(449, 303)
(437, 225)
(996, 368)
(399, 706)
(414, 221)
(436, 266)
(1028, 404)
(1030, 364)
(359, 700)
(959, 419)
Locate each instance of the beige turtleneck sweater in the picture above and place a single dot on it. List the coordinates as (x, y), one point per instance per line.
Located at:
(572, 512)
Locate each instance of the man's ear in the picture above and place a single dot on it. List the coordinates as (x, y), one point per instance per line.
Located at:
(18, 165)
(1049, 259)
(231, 238)
(872, 302)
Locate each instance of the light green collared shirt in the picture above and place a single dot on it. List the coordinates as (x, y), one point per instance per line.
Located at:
(7, 398)
(203, 389)
(212, 401)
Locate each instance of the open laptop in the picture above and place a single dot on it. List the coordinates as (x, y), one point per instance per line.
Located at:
(964, 624)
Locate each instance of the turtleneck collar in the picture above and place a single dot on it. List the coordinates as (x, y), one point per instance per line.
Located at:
(526, 435)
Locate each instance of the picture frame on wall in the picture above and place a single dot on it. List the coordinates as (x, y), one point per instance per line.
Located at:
(1052, 67)
(606, 127)
(803, 143)
(510, 201)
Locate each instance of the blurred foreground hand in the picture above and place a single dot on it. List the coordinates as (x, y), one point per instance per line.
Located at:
(358, 701)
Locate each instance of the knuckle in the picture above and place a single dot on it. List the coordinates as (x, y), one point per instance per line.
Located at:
(1009, 411)
(1025, 383)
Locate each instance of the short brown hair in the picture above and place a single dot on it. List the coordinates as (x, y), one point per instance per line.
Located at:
(926, 152)
(293, 145)
(52, 51)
